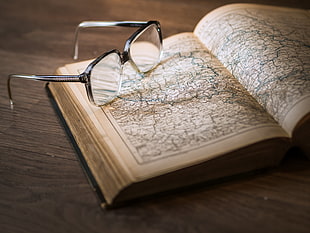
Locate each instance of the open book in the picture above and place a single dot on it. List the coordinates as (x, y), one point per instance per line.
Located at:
(229, 98)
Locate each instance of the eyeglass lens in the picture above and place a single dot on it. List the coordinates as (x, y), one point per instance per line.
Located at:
(105, 79)
(146, 48)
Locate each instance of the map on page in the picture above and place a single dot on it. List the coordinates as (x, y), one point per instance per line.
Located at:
(267, 50)
(190, 100)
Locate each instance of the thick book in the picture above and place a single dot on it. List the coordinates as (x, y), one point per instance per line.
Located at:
(229, 98)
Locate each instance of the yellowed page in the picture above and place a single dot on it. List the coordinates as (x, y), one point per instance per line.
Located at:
(268, 50)
(189, 109)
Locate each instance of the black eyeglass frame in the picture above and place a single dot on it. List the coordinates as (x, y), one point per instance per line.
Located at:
(85, 77)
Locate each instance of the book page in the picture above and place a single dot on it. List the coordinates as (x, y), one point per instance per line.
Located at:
(268, 50)
(187, 110)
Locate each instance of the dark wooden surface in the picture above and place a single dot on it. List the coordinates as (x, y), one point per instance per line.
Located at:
(42, 186)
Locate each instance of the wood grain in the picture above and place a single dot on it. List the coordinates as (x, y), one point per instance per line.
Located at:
(42, 186)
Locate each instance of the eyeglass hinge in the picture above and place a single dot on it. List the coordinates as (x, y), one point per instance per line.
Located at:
(83, 77)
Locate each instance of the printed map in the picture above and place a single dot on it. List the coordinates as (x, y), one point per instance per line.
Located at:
(190, 100)
(267, 50)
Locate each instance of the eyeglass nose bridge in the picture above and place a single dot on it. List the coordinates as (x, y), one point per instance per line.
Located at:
(124, 57)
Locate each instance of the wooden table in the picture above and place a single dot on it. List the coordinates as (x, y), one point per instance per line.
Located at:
(42, 186)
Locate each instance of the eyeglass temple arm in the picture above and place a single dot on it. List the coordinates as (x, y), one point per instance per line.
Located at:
(97, 24)
(48, 78)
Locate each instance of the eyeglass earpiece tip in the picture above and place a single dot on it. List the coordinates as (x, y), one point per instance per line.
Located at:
(11, 104)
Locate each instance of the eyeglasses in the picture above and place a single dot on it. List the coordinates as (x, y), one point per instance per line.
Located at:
(103, 76)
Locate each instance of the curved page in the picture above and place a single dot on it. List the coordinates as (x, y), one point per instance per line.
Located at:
(268, 50)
